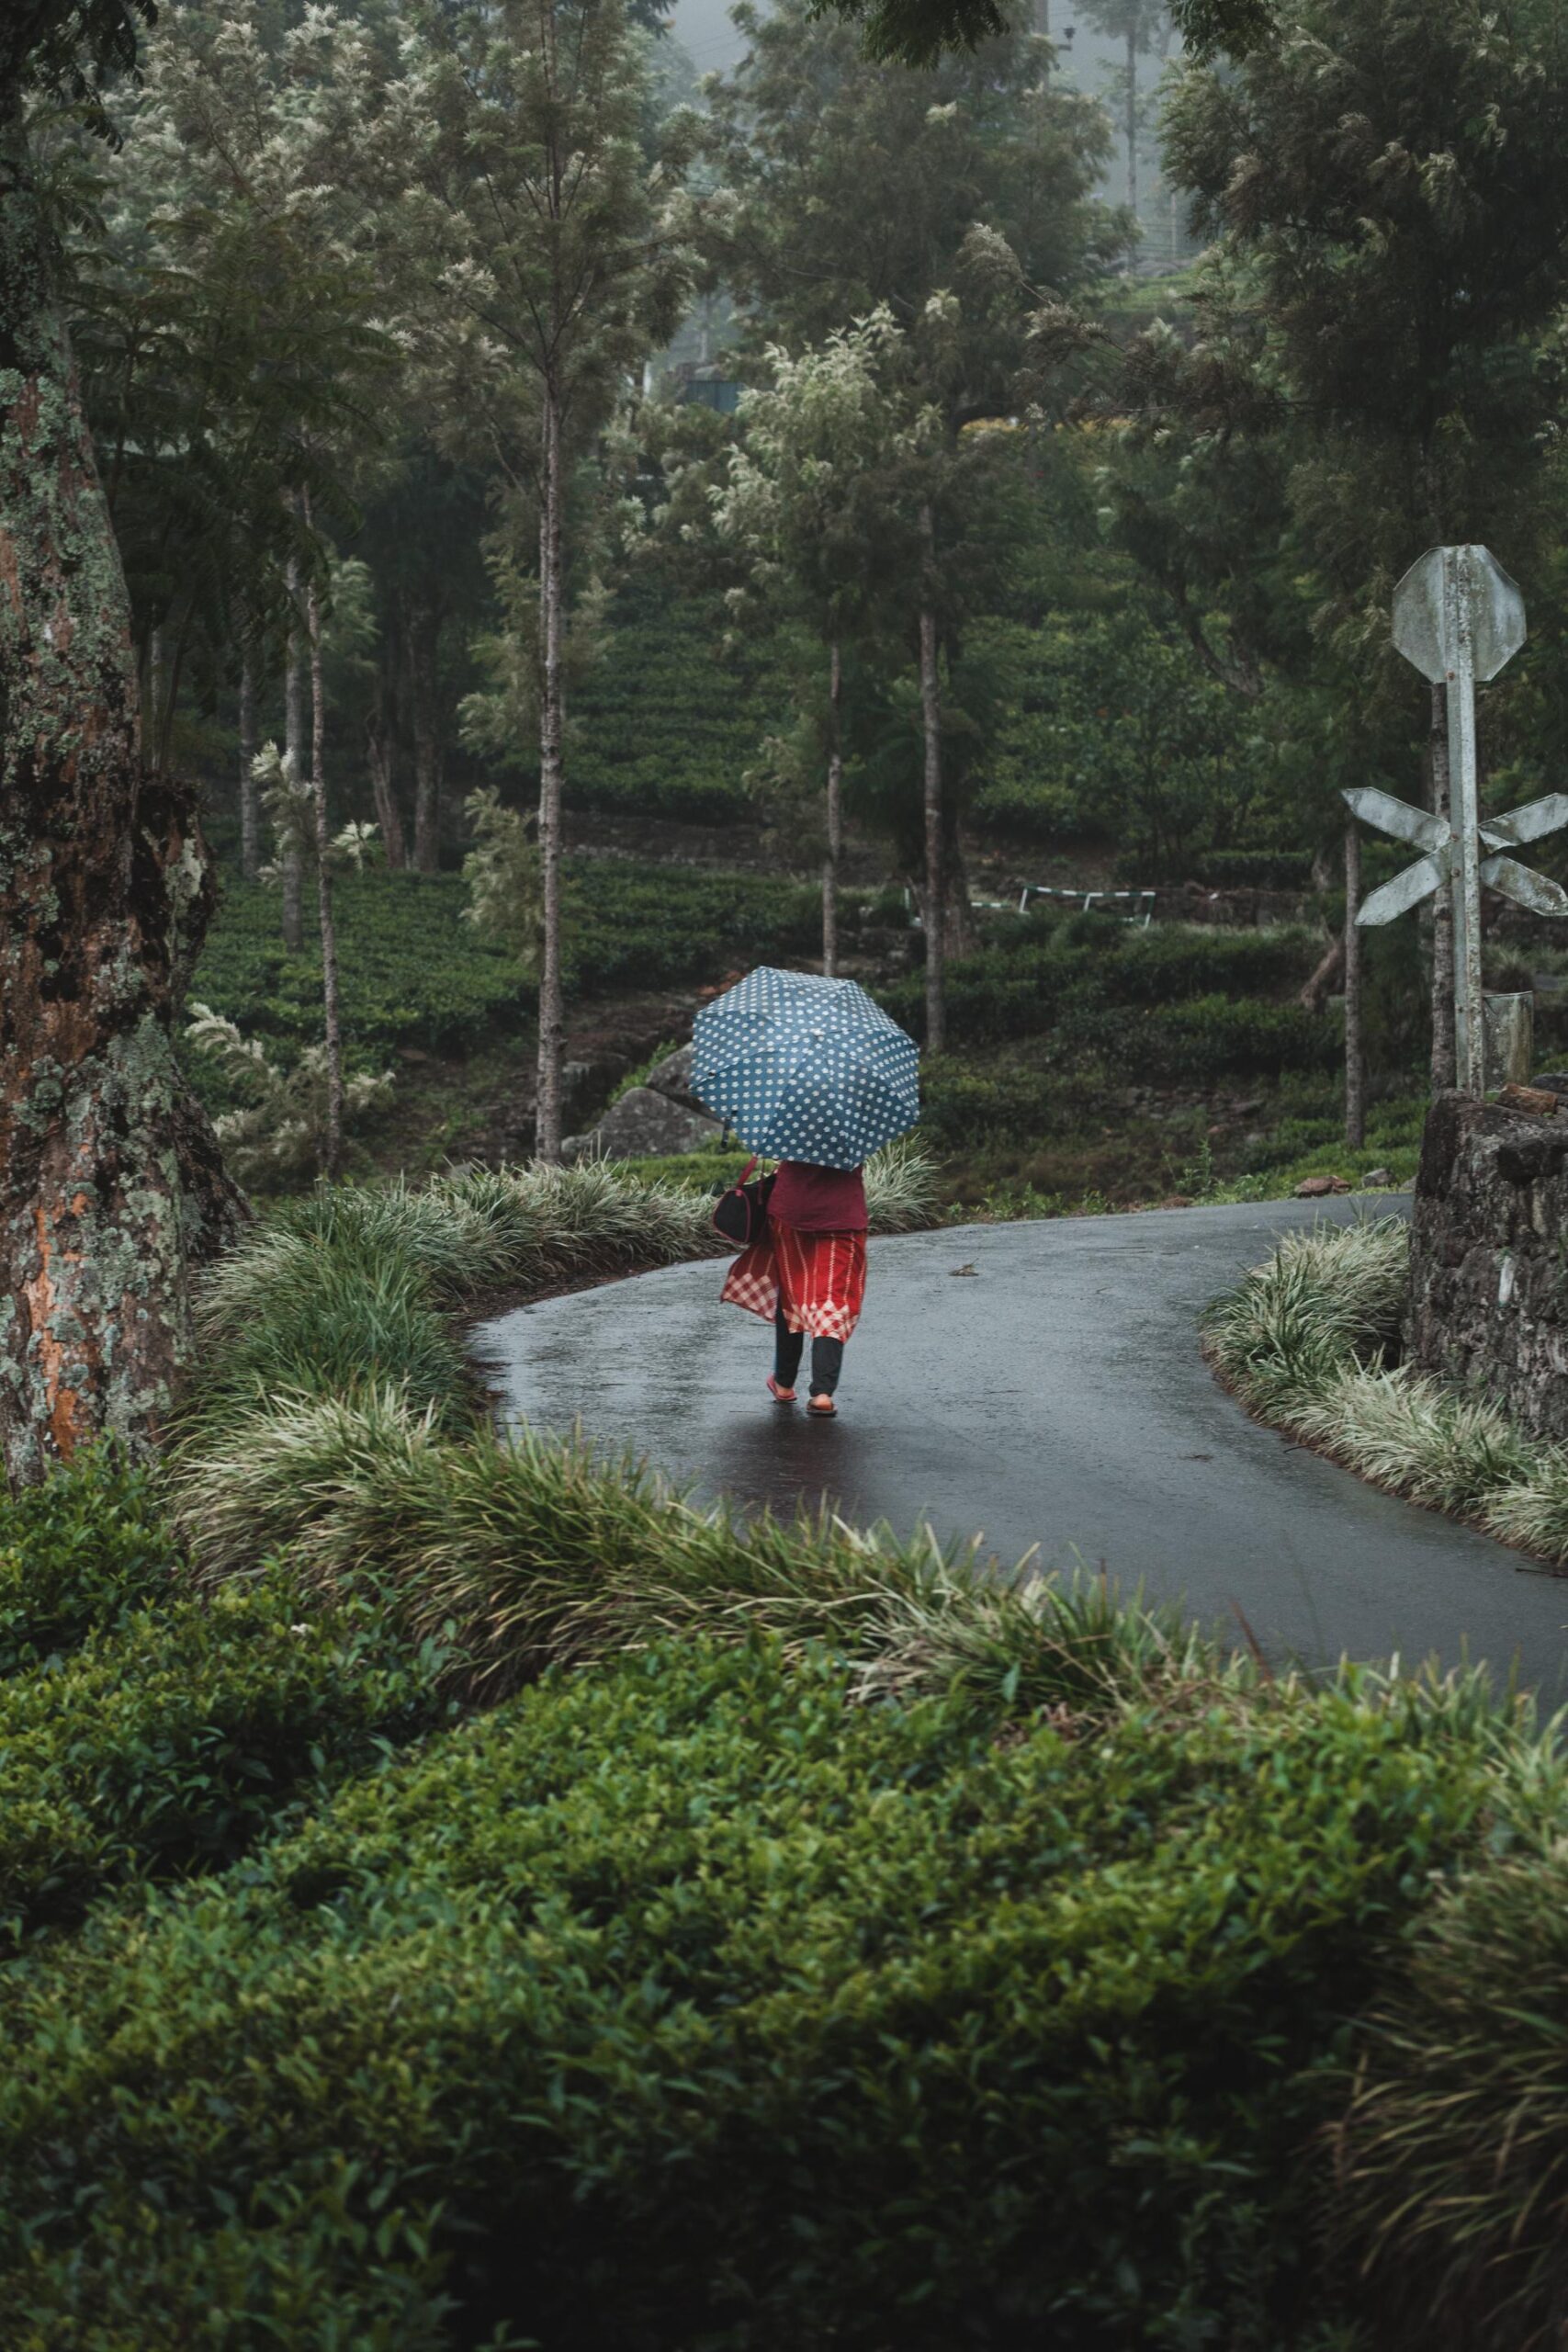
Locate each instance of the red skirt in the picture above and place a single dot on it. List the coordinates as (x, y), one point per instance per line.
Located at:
(818, 1280)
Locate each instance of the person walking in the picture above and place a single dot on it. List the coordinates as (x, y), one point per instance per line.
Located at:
(806, 1274)
(813, 1072)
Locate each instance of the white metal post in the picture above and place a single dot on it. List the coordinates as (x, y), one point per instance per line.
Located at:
(1469, 1028)
(1459, 618)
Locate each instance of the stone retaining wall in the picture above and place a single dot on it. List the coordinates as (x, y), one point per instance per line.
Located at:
(1489, 1257)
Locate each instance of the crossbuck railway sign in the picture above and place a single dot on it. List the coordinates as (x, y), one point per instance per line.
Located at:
(1457, 617)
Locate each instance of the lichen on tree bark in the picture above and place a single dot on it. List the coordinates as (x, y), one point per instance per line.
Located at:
(111, 1186)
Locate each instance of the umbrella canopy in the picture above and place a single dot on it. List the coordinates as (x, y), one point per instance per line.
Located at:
(805, 1069)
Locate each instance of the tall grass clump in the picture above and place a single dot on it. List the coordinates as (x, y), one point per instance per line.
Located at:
(1450, 2157)
(529, 1552)
(1327, 1299)
(1305, 1340)
(339, 1422)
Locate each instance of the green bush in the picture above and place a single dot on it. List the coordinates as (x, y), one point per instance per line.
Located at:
(669, 723)
(1254, 869)
(960, 1105)
(1197, 1042)
(166, 1743)
(1049, 973)
(689, 2003)
(642, 926)
(413, 975)
(79, 1552)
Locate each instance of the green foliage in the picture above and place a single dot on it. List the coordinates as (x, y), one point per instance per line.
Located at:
(281, 1124)
(1116, 734)
(921, 32)
(77, 1553)
(503, 872)
(633, 926)
(410, 973)
(1176, 998)
(343, 1312)
(927, 2030)
(1254, 869)
(669, 727)
(1307, 1343)
(171, 1738)
(961, 1104)
(414, 974)
(1451, 2156)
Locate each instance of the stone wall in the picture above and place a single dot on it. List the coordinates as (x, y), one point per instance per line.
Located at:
(1489, 1256)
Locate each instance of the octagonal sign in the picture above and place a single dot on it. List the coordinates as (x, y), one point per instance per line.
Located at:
(1425, 618)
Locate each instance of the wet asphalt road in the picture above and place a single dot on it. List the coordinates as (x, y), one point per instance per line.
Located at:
(1054, 1398)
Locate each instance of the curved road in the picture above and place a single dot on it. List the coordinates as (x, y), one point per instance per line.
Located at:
(1054, 1397)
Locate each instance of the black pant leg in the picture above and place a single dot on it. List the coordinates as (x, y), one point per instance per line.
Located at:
(787, 1347)
(826, 1363)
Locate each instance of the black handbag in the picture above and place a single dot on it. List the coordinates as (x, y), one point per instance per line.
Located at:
(740, 1210)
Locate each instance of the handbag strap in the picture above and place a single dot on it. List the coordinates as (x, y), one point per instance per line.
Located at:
(745, 1171)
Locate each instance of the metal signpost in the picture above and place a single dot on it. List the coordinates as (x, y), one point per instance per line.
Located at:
(1457, 617)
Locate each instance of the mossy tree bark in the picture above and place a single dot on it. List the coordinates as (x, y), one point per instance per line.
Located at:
(111, 1184)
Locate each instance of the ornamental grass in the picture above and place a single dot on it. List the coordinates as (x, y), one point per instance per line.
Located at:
(1307, 1340)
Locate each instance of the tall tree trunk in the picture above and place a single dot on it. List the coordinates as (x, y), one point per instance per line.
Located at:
(111, 1185)
(1132, 120)
(958, 914)
(250, 799)
(552, 1013)
(378, 746)
(1354, 1059)
(1445, 1066)
(294, 761)
(153, 716)
(333, 1155)
(423, 636)
(935, 916)
(835, 810)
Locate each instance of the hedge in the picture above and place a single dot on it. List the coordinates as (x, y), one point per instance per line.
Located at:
(167, 1745)
(669, 723)
(413, 974)
(689, 2003)
(80, 1551)
(1050, 971)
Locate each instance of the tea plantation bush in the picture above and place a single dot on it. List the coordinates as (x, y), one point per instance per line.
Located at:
(1043, 974)
(167, 1745)
(685, 2002)
(670, 722)
(413, 973)
(80, 1552)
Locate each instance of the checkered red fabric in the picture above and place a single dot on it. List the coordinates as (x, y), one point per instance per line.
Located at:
(817, 1278)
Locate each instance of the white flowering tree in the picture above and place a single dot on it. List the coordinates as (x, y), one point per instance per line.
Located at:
(566, 260)
(803, 501)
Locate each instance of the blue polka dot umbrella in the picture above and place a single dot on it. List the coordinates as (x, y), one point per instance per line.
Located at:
(805, 1069)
